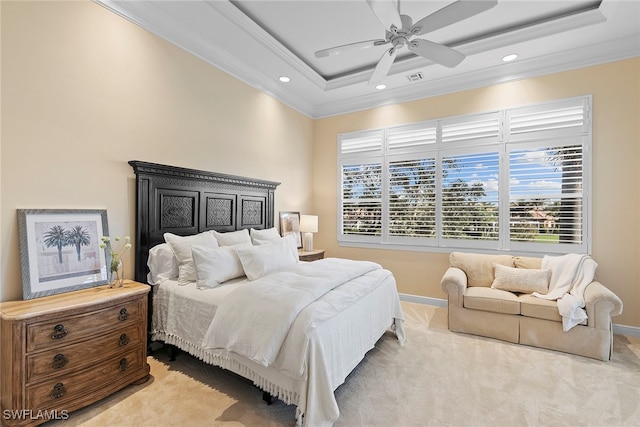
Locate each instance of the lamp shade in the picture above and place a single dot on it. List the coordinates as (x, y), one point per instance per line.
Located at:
(308, 223)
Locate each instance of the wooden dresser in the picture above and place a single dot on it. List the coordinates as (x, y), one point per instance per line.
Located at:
(62, 352)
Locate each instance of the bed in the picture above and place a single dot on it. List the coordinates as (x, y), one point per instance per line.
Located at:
(235, 319)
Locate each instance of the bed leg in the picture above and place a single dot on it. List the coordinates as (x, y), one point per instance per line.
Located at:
(267, 398)
(173, 352)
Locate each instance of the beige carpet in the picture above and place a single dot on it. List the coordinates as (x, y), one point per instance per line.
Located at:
(438, 378)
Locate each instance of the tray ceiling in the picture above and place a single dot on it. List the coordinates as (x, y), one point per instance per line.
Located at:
(260, 41)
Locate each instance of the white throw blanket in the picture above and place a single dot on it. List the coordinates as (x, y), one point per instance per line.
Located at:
(570, 275)
(255, 318)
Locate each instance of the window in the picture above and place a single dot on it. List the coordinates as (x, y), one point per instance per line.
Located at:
(514, 179)
(470, 209)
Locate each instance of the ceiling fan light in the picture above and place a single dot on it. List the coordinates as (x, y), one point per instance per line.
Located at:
(510, 57)
(284, 79)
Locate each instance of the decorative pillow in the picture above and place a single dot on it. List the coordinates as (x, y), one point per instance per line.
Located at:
(162, 264)
(240, 237)
(216, 265)
(181, 247)
(478, 267)
(260, 237)
(260, 260)
(527, 262)
(525, 280)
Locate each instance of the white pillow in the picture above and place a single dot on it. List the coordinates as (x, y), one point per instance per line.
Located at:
(240, 237)
(181, 247)
(260, 237)
(261, 260)
(525, 280)
(216, 265)
(162, 264)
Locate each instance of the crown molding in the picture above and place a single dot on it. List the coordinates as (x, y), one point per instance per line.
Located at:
(486, 43)
(615, 50)
(160, 19)
(235, 15)
(164, 25)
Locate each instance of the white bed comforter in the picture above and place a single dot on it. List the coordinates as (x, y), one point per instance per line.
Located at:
(325, 342)
(256, 318)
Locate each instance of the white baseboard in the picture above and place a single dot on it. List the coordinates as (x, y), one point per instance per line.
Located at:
(438, 302)
(629, 331)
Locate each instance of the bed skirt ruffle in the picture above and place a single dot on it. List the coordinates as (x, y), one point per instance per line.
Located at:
(290, 397)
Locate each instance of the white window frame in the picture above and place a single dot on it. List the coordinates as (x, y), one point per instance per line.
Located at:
(492, 136)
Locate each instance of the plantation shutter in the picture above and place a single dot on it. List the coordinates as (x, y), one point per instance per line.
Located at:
(362, 143)
(411, 180)
(411, 138)
(362, 199)
(361, 184)
(480, 128)
(546, 195)
(556, 119)
(412, 197)
(469, 207)
(547, 176)
(515, 179)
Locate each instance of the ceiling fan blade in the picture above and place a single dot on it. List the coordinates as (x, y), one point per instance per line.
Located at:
(457, 11)
(406, 21)
(347, 47)
(435, 52)
(387, 12)
(383, 67)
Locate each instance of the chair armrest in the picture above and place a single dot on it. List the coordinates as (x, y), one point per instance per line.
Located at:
(601, 304)
(454, 283)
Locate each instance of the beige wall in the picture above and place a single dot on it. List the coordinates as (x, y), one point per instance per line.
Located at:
(84, 91)
(616, 172)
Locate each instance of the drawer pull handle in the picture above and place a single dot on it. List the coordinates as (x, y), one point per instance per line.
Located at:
(59, 361)
(58, 391)
(123, 314)
(124, 365)
(124, 339)
(59, 332)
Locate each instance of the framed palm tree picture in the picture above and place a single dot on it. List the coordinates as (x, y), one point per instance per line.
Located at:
(60, 250)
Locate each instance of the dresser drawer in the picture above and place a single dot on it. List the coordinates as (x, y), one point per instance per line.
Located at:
(63, 359)
(58, 390)
(72, 328)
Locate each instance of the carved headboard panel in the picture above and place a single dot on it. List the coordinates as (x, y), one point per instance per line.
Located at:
(183, 201)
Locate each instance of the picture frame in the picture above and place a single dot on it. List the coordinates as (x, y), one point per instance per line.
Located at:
(290, 224)
(60, 250)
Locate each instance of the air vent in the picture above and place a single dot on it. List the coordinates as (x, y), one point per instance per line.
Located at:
(415, 77)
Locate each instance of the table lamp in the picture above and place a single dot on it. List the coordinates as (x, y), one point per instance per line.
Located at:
(308, 226)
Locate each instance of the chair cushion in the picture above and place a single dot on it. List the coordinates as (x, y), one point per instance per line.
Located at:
(539, 308)
(478, 267)
(489, 299)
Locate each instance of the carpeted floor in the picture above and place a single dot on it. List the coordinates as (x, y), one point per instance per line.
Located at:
(438, 378)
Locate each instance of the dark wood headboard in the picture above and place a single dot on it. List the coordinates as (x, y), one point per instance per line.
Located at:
(183, 201)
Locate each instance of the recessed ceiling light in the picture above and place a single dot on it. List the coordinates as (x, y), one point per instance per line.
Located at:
(510, 57)
(284, 79)
(380, 87)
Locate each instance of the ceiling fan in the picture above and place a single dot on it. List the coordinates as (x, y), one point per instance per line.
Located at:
(400, 31)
